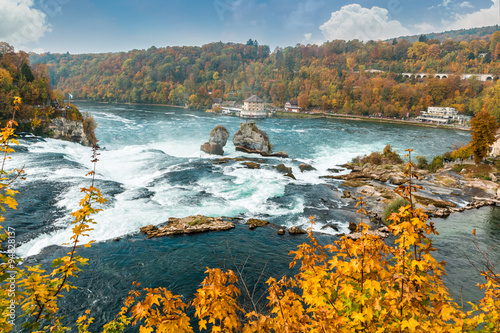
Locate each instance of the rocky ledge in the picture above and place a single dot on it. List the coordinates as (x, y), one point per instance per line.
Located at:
(188, 225)
(254, 151)
(376, 183)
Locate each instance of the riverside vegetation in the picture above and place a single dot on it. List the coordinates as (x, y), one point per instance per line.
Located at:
(346, 77)
(42, 111)
(458, 171)
(347, 286)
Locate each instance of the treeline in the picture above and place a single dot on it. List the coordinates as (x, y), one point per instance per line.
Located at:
(18, 78)
(458, 35)
(336, 76)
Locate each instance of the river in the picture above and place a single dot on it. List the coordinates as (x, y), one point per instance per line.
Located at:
(151, 168)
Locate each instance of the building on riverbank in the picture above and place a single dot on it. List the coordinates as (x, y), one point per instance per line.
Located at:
(442, 115)
(253, 107)
(253, 103)
(292, 106)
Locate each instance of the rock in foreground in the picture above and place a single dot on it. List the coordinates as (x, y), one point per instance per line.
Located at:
(305, 167)
(188, 225)
(283, 169)
(382, 232)
(255, 223)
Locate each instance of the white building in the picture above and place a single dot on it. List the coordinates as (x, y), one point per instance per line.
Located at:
(442, 115)
(253, 103)
(253, 107)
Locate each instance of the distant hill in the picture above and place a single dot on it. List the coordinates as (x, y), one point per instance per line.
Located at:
(457, 35)
(351, 77)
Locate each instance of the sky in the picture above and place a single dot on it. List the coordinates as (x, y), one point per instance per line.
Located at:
(96, 26)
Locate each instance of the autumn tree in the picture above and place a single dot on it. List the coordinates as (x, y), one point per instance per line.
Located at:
(491, 100)
(484, 127)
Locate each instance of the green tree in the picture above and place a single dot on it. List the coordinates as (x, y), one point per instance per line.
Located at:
(484, 127)
(422, 39)
(26, 71)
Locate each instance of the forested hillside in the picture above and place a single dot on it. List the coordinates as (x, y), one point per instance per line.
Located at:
(18, 78)
(334, 76)
(458, 35)
(27, 98)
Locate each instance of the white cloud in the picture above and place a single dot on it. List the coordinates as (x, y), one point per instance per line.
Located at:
(356, 22)
(307, 38)
(38, 50)
(20, 22)
(480, 18)
(445, 3)
(422, 28)
(465, 4)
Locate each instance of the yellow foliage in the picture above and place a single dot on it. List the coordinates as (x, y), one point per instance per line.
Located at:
(362, 285)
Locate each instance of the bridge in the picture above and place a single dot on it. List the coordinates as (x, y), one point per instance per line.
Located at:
(480, 77)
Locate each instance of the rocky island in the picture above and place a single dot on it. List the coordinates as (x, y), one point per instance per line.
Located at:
(188, 225)
(250, 139)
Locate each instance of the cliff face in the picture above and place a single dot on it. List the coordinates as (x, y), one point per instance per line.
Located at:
(70, 130)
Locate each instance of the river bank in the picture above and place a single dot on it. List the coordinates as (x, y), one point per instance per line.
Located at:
(327, 115)
(451, 189)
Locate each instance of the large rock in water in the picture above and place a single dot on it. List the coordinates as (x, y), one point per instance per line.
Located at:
(218, 139)
(219, 135)
(251, 139)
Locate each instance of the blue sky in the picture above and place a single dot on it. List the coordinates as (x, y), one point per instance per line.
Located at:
(90, 26)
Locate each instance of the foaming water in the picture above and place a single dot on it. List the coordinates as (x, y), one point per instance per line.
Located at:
(151, 168)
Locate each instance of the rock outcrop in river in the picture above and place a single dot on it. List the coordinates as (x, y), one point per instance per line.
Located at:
(188, 225)
(217, 141)
(250, 139)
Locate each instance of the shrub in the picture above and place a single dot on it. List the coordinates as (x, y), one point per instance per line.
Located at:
(356, 160)
(422, 162)
(457, 168)
(390, 156)
(374, 158)
(387, 156)
(437, 162)
(393, 207)
(462, 153)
